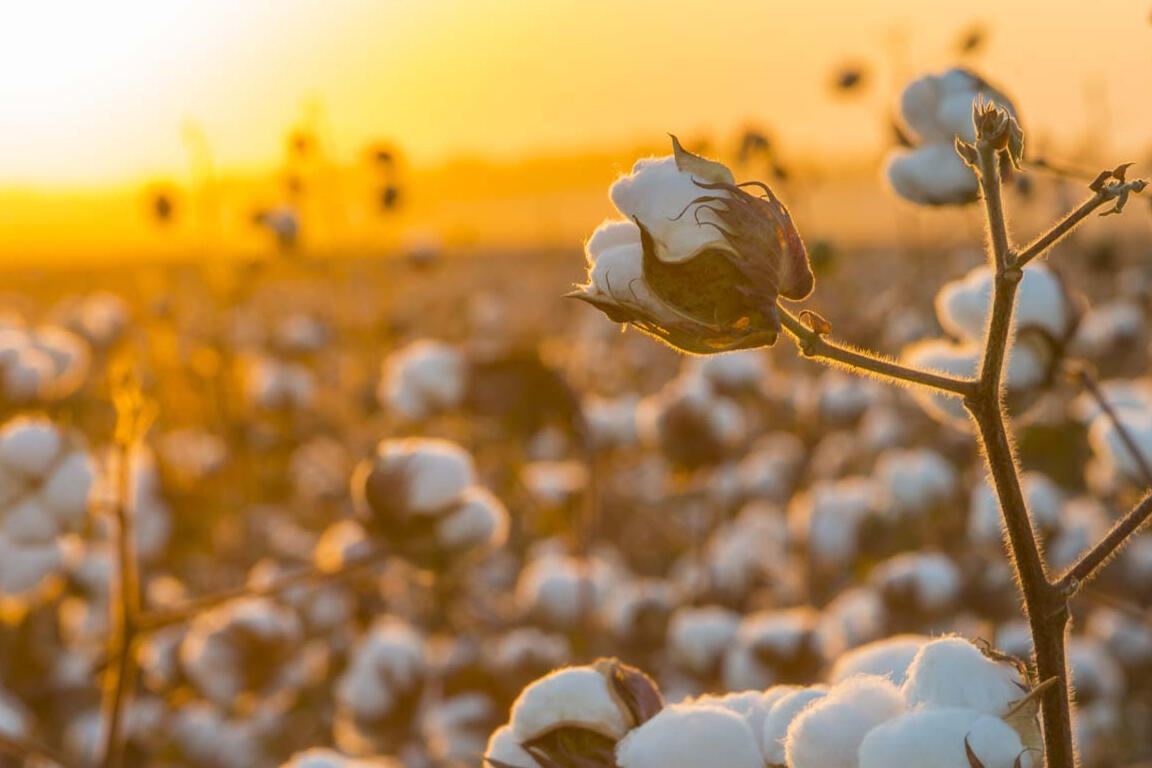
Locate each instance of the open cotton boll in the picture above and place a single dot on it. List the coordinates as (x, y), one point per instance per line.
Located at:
(559, 589)
(932, 175)
(888, 658)
(638, 610)
(936, 738)
(855, 616)
(951, 672)
(504, 747)
(573, 696)
(741, 553)
(770, 468)
(1045, 503)
(278, 385)
(384, 671)
(15, 720)
(301, 334)
(29, 446)
(698, 637)
(1041, 302)
(616, 272)
(690, 736)
(943, 357)
(1109, 446)
(753, 706)
(1128, 638)
(828, 733)
(911, 480)
(478, 520)
(1105, 328)
(1098, 732)
(414, 476)
(1123, 395)
(732, 373)
(322, 757)
(611, 421)
(918, 581)
(657, 192)
(689, 423)
(839, 398)
(422, 379)
(780, 716)
(1095, 675)
(826, 519)
(775, 646)
(554, 483)
(1083, 522)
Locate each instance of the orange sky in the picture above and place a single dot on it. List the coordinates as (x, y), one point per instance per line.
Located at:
(98, 96)
(97, 92)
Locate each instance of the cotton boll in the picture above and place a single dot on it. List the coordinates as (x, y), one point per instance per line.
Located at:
(1042, 302)
(840, 399)
(320, 757)
(300, 334)
(504, 747)
(932, 175)
(698, 637)
(690, 424)
(526, 653)
(554, 483)
(690, 736)
(1097, 732)
(911, 480)
(828, 733)
(936, 738)
(889, 658)
(770, 467)
(827, 519)
(412, 478)
(638, 611)
(27, 571)
(1095, 674)
(657, 192)
(918, 582)
(951, 672)
(277, 385)
(561, 590)
(66, 491)
(732, 373)
(15, 720)
(1127, 638)
(753, 706)
(29, 447)
(456, 729)
(1106, 329)
(422, 379)
(780, 717)
(1109, 446)
(856, 616)
(574, 696)
(1084, 522)
(742, 553)
(775, 646)
(478, 521)
(611, 421)
(382, 681)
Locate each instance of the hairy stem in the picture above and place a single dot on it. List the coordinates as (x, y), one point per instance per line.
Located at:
(813, 344)
(1044, 604)
(1061, 229)
(1091, 561)
(124, 606)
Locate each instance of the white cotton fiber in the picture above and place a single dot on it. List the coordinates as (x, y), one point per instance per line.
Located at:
(889, 658)
(690, 736)
(951, 672)
(571, 696)
(828, 733)
(935, 738)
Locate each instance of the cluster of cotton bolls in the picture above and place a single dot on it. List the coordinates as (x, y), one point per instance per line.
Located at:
(40, 365)
(895, 702)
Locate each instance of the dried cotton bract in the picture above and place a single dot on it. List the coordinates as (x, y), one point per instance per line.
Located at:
(699, 262)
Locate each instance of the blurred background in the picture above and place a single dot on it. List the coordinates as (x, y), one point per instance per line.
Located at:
(500, 121)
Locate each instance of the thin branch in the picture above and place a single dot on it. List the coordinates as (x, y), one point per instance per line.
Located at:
(1090, 562)
(813, 344)
(1061, 229)
(26, 749)
(312, 575)
(1090, 385)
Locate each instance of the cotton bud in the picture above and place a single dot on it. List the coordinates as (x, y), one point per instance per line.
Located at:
(690, 228)
(949, 737)
(938, 111)
(243, 652)
(691, 736)
(951, 672)
(779, 718)
(828, 733)
(698, 637)
(888, 658)
(422, 379)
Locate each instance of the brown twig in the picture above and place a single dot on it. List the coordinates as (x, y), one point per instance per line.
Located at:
(813, 344)
(1092, 560)
(1061, 229)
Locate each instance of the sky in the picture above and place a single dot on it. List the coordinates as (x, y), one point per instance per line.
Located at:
(106, 93)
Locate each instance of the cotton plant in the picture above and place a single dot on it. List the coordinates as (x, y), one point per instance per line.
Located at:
(706, 266)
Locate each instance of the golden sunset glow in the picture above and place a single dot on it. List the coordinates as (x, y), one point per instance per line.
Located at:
(103, 95)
